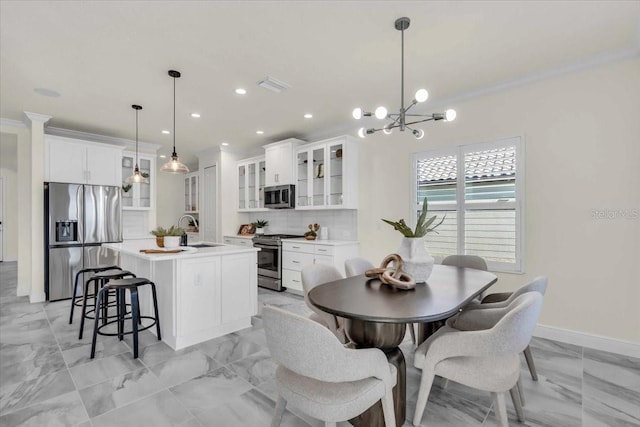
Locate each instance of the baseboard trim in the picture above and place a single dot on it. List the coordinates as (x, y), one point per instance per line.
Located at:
(37, 297)
(598, 342)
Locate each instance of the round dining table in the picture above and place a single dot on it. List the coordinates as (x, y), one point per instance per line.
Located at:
(375, 316)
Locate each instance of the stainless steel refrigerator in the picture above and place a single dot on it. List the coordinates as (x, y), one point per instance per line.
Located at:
(78, 219)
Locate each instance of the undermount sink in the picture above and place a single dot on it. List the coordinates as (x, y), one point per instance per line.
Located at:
(204, 245)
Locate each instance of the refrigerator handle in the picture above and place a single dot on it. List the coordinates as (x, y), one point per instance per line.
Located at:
(80, 205)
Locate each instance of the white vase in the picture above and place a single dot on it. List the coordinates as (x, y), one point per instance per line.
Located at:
(259, 230)
(171, 242)
(417, 261)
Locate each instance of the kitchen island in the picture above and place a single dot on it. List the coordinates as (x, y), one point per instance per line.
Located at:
(203, 292)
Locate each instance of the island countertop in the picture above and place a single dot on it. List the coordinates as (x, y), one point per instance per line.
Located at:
(133, 247)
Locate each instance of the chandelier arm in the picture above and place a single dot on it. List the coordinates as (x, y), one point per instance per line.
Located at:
(420, 121)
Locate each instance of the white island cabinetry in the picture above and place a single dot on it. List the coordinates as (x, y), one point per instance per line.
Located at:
(202, 294)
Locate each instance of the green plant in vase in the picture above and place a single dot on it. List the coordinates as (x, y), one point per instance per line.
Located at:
(417, 261)
(162, 232)
(260, 225)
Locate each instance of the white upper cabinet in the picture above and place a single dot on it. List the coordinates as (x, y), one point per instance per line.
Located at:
(191, 194)
(251, 175)
(81, 162)
(280, 162)
(327, 174)
(138, 195)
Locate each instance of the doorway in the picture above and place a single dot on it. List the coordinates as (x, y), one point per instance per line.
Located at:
(209, 189)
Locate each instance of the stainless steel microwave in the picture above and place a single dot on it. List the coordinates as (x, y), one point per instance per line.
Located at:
(280, 197)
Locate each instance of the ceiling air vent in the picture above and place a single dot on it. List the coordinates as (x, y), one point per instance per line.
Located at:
(273, 85)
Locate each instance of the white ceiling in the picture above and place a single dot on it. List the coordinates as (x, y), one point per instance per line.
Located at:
(104, 56)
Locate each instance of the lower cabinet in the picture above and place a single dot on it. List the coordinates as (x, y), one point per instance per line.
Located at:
(238, 241)
(298, 254)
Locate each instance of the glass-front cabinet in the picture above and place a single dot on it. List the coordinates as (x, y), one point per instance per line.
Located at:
(327, 174)
(137, 196)
(191, 196)
(251, 183)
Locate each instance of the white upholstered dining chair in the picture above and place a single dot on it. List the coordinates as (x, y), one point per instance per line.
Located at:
(312, 276)
(466, 261)
(503, 299)
(486, 359)
(319, 376)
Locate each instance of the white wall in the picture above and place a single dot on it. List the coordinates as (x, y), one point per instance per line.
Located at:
(582, 136)
(9, 174)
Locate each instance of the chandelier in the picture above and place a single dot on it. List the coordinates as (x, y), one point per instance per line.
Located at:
(402, 120)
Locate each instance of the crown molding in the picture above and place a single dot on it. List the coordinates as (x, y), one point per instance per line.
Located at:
(12, 123)
(35, 117)
(596, 61)
(120, 142)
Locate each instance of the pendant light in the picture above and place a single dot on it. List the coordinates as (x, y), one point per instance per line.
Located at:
(174, 165)
(137, 176)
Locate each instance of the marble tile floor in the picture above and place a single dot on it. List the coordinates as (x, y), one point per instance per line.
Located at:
(47, 378)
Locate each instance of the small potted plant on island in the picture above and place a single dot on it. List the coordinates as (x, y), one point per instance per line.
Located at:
(168, 238)
(313, 232)
(260, 225)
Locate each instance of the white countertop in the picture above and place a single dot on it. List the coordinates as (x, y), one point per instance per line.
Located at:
(133, 247)
(328, 242)
(239, 236)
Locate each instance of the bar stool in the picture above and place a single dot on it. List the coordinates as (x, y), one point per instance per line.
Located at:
(100, 280)
(120, 286)
(76, 301)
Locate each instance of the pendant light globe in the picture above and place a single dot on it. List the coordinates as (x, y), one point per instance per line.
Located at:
(174, 165)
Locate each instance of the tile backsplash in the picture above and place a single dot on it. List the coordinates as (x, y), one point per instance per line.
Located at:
(342, 224)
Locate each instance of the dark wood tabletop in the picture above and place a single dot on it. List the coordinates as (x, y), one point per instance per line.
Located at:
(447, 290)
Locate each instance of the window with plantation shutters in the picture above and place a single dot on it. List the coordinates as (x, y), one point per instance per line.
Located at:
(478, 188)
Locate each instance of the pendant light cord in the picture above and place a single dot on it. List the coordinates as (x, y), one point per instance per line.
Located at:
(174, 117)
(136, 138)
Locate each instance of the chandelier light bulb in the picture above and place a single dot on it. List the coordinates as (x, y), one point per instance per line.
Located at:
(422, 95)
(362, 132)
(357, 113)
(450, 115)
(418, 133)
(386, 130)
(381, 113)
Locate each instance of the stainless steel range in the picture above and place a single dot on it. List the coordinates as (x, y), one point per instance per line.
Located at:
(270, 260)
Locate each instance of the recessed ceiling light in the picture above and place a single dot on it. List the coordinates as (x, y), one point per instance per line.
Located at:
(162, 156)
(225, 144)
(259, 132)
(46, 92)
(308, 116)
(195, 115)
(241, 91)
(166, 132)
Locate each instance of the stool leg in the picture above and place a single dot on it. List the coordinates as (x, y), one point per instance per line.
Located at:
(95, 323)
(135, 315)
(84, 306)
(155, 309)
(105, 304)
(73, 298)
(122, 311)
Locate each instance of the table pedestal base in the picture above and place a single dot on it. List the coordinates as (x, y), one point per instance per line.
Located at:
(387, 337)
